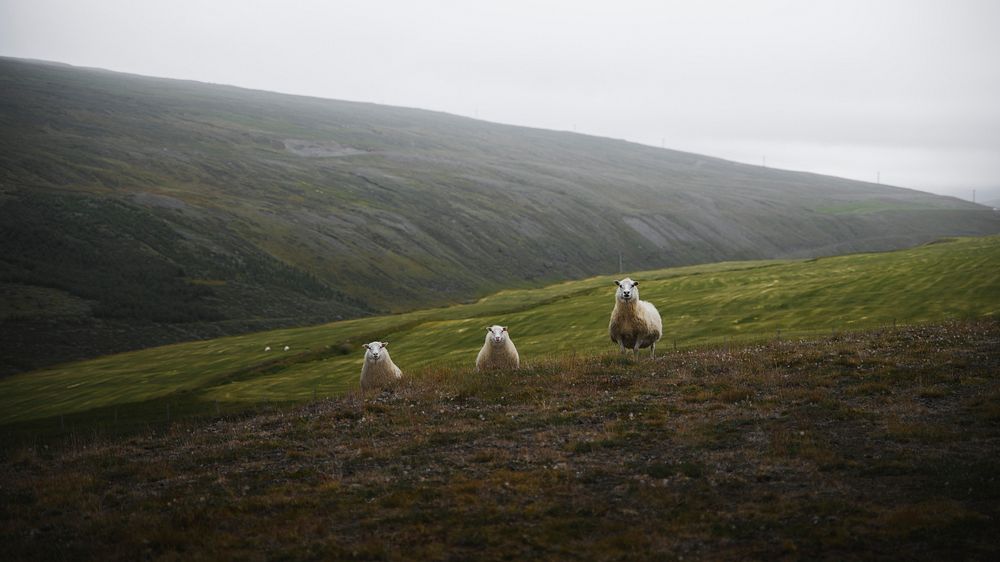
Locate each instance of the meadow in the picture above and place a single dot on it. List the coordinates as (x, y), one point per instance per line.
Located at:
(708, 305)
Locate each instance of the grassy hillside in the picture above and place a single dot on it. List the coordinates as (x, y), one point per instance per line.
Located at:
(137, 211)
(865, 446)
(700, 305)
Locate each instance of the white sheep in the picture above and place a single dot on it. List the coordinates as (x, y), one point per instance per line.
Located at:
(498, 351)
(268, 348)
(634, 323)
(287, 348)
(378, 368)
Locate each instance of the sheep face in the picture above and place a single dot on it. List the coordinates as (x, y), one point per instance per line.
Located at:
(496, 334)
(628, 290)
(375, 350)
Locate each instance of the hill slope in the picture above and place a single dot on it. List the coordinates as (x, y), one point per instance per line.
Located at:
(870, 446)
(700, 305)
(139, 210)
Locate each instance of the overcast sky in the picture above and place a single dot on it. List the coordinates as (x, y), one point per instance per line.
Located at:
(908, 89)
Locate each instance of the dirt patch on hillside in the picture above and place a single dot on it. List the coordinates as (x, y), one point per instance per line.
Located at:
(319, 149)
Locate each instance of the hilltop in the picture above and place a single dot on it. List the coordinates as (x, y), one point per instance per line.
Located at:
(138, 211)
(866, 445)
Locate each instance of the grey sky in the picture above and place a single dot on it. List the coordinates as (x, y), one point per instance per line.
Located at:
(851, 88)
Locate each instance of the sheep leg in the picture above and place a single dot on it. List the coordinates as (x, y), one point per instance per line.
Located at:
(652, 351)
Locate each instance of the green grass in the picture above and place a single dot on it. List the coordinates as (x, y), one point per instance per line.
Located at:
(701, 305)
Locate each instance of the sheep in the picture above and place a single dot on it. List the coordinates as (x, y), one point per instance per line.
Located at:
(634, 323)
(287, 348)
(498, 351)
(378, 368)
(268, 348)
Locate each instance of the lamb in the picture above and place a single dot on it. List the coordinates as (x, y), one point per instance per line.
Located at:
(378, 369)
(634, 323)
(498, 351)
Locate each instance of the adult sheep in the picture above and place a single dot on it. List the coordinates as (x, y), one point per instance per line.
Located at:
(635, 324)
(378, 369)
(498, 351)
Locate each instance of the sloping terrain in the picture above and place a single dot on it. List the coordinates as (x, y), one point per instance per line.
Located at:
(701, 305)
(139, 210)
(865, 446)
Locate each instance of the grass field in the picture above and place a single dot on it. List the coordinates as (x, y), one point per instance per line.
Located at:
(700, 305)
(867, 445)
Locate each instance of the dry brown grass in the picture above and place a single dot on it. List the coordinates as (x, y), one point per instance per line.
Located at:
(869, 445)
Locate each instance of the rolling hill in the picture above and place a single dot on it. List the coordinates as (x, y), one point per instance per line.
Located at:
(717, 304)
(137, 211)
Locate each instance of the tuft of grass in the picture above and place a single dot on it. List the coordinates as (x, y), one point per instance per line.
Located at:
(932, 392)
(941, 516)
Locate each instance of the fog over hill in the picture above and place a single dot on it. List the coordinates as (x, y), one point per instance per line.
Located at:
(139, 210)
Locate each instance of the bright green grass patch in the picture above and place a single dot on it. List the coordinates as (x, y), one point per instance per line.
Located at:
(700, 305)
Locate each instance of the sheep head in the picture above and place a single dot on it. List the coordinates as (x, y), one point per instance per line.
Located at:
(374, 350)
(628, 290)
(496, 334)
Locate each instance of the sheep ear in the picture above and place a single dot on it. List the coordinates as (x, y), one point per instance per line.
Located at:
(505, 328)
(364, 345)
(619, 283)
(635, 283)
(385, 343)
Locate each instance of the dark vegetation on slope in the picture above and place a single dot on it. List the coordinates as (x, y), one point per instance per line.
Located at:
(94, 276)
(868, 445)
(139, 210)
